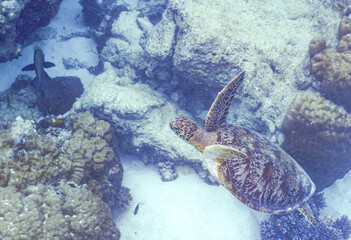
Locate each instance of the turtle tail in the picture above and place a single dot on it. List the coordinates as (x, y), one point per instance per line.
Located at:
(307, 212)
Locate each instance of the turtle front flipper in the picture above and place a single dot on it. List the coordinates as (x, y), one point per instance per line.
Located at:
(307, 212)
(219, 109)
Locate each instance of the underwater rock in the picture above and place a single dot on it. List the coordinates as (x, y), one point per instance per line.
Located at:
(318, 137)
(153, 9)
(59, 94)
(19, 100)
(18, 21)
(167, 171)
(78, 148)
(190, 50)
(122, 48)
(139, 115)
(55, 212)
(93, 13)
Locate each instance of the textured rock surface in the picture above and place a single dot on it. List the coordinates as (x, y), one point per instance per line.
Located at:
(18, 21)
(140, 116)
(19, 100)
(318, 136)
(191, 50)
(187, 51)
(48, 212)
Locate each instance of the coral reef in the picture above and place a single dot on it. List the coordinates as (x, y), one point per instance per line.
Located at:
(332, 66)
(317, 128)
(18, 21)
(317, 44)
(78, 148)
(55, 212)
(344, 27)
(294, 225)
(318, 137)
(124, 198)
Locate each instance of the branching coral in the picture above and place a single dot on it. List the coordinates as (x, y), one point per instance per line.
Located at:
(318, 137)
(294, 225)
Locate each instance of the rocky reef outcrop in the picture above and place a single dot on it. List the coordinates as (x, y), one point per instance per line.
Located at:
(193, 49)
(140, 116)
(181, 53)
(18, 21)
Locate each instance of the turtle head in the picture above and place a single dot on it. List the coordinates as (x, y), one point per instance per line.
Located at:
(183, 127)
(191, 133)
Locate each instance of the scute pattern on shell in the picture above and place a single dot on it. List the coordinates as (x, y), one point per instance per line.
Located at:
(268, 180)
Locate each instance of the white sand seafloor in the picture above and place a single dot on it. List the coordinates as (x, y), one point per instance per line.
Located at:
(186, 208)
(189, 209)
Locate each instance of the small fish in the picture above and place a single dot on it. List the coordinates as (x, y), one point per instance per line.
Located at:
(136, 209)
(57, 122)
(39, 65)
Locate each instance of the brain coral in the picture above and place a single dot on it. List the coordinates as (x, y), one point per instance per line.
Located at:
(49, 212)
(333, 68)
(80, 149)
(318, 137)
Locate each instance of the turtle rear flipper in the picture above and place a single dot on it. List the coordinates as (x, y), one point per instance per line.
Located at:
(307, 212)
(219, 109)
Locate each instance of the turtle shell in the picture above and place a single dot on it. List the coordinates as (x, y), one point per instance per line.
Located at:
(266, 178)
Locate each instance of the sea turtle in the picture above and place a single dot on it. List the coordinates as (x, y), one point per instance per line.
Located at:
(257, 172)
